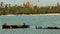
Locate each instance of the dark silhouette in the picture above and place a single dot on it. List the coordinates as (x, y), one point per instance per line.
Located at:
(14, 26)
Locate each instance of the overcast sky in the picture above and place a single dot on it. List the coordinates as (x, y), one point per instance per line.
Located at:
(42, 2)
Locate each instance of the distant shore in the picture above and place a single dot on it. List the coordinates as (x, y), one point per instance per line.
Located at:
(53, 14)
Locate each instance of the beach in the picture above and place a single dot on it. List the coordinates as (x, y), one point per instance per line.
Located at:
(53, 14)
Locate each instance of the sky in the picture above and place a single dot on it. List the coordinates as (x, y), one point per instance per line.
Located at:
(42, 2)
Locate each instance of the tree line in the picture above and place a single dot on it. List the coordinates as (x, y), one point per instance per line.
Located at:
(8, 9)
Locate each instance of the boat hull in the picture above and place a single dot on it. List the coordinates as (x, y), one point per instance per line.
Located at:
(14, 26)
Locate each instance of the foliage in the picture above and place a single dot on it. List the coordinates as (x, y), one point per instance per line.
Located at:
(26, 10)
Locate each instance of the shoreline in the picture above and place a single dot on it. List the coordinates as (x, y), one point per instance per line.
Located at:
(54, 14)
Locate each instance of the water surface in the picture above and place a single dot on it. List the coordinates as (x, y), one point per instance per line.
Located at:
(32, 21)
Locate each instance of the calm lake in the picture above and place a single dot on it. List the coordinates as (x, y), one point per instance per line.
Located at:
(32, 21)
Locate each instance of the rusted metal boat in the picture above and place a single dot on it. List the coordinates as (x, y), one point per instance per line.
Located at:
(5, 26)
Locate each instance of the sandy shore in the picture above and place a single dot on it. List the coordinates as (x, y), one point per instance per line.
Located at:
(55, 14)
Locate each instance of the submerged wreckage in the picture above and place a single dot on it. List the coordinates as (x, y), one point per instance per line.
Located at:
(47, 27)
(5, 26)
